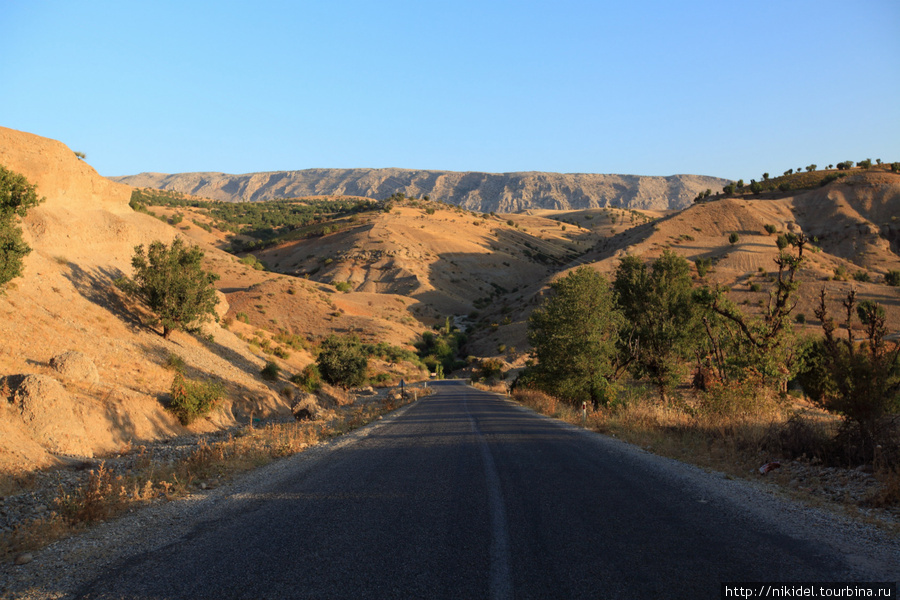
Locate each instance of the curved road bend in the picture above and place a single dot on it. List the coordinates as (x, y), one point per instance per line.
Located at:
(466, 495)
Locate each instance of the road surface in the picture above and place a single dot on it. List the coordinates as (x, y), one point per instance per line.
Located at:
(466, 495)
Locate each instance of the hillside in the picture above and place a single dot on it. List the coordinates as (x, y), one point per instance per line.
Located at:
(82, 239)
(482, 192)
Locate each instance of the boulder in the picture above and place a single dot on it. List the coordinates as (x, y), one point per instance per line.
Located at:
(47, 410)
(306, 408)
(75, 366)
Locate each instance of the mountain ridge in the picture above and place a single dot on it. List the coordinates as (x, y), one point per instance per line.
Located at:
(473, 190)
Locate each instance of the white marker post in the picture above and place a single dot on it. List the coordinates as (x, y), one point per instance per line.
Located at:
(584, 413)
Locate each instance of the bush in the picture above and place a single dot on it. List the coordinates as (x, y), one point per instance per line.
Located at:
(342, 361)
(770, 229)
(490, 370)
(175, 363)
(343, 286)
(191, 400)
(703, 266)
(271, 371)
(254, 262)
(733, 238)
(892, 278)
(309, 378)
(862, 276)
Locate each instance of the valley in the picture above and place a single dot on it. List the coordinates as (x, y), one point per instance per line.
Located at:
(391, 269)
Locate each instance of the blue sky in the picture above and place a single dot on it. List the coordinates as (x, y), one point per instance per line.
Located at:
(648, 87)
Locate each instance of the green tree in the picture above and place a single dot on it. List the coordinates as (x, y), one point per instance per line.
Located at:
(17, 195)
(660, 320)
(342, 361)
(733, 238)
(574, 336)
(173, 284)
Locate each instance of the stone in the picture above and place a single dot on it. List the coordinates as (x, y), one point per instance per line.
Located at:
(48, 414)
(75, 366)
(24, 558)
(306, 408)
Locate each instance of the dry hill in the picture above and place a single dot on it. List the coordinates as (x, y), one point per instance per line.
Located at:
(83, 238)
(482, 192)
(854, 221)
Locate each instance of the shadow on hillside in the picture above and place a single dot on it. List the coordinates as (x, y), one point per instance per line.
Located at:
(98, 286)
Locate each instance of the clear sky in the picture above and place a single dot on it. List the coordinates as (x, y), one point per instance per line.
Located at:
(729, 88)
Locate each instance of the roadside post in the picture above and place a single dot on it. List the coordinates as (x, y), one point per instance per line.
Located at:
(584, 413)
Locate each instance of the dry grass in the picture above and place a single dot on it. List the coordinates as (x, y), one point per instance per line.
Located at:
(737, 441)
(106, 494)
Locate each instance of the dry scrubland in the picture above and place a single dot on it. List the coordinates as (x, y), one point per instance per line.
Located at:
(386, 275)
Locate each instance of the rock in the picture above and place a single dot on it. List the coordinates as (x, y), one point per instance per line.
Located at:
(47, 411)
(24, 558)
(366, 391)
(307, 407)
(75, 366)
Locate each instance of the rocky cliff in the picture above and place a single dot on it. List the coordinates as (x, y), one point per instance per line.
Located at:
(483, 192)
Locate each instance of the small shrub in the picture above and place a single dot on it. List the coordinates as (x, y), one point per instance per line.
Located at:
(862, 276)
(308, 379)
(800, 318)
(270, 372)
(733, 238)
(175, 363)
(892, 278)
(755, 287)
(703, 266)
(770, 229)
(343, 286)
(191, 400)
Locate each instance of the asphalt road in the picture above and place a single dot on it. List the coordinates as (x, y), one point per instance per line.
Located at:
(466, 495)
